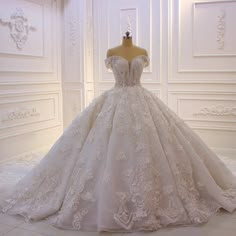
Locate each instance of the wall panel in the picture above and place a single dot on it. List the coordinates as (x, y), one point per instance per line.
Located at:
(30, 75)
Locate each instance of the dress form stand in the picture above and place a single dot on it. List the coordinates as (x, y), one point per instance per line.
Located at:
(127, 49)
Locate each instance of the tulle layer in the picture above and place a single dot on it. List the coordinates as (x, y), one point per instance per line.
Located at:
(126, 163)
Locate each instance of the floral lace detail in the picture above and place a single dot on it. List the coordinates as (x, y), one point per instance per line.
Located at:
(107, 177)
(121, 156)
(123, 217)
(126, 163)
(78, 217)
(127, 73)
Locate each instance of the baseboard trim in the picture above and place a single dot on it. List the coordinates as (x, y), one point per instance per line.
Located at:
(228, 152)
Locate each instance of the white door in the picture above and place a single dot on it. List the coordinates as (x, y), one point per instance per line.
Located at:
(192, 49)
(30, 81)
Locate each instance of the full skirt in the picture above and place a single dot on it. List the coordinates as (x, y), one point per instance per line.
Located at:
(126, 163)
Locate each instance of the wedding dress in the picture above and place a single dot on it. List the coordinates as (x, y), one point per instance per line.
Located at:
(126, 163)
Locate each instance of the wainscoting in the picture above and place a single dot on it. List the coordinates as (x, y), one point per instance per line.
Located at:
(30, 76)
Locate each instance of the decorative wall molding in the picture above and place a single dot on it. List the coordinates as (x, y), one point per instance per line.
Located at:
(30, 76)
(20, 113)
(35, 31)
(210, 16)
(209, 64)
(24, 113)
(88, 53)
(217, 116)
(19, 27)
(73, 62)
(221, 22)
(128, 22)
(216, 110)
(73, 23)
(77, 66)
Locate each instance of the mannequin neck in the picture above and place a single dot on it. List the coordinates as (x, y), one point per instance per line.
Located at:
(127, 42)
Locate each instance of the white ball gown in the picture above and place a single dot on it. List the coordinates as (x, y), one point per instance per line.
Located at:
(126, 163)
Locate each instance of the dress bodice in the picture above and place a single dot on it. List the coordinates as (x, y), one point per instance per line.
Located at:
(127, 73)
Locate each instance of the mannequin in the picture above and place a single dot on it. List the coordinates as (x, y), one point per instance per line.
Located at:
(127, 49)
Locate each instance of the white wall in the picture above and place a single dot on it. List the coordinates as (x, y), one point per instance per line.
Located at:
(192, 49)
(30, 76)
(192, 64)
(77, 57)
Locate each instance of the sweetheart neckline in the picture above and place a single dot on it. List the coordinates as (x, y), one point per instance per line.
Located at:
(129, 62)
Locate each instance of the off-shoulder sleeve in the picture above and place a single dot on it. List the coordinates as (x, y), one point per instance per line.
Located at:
(146, 61)
(108, 62)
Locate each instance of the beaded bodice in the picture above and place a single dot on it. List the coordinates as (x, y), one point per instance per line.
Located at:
(127, 73)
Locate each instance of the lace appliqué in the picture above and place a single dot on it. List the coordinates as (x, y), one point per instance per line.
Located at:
(78, 218)
(127, 73)
(151, 168)
(121, 156)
